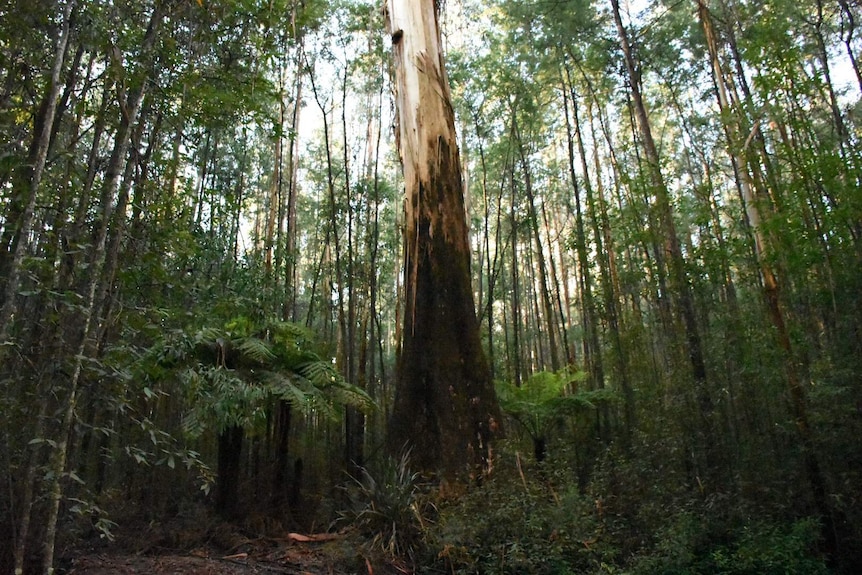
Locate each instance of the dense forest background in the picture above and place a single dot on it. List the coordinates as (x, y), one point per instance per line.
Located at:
(201, 273)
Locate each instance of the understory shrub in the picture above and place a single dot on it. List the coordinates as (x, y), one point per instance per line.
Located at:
(518, 522)
(694, 545)
(386, 507)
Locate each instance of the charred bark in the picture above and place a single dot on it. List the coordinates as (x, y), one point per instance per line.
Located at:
(445, 407)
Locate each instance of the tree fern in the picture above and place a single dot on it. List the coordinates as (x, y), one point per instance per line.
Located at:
(229, 375)
(546, 398)
(256, 349)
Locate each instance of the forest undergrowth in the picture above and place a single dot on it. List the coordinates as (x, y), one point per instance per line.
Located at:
(524, 518)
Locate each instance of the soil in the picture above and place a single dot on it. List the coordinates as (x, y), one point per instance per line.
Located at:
(299, 559)
(294, 558)
(227, 551)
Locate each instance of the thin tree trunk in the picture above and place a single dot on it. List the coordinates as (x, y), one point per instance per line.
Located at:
(274, 203)
(38, 160)
(561, 327)
(823, 56)
(354, 421)
(292, 181)
(131, 106)
(539, 254)
(28, 492)
(607, 268)
(772, 298)
(516, 360)
(847, 36)
(230, 443)
(592, 349)
(492, 266)
(680, 282)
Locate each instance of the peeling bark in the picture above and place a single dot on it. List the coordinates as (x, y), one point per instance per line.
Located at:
(445, 408)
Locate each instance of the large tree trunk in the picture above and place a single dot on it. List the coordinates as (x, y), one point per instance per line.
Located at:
(445, 406)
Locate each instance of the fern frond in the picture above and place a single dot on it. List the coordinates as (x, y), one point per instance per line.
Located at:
(284, 332)
(286, 388)
(320, 373)
(208, 335)
(347, 394)
(255, 349)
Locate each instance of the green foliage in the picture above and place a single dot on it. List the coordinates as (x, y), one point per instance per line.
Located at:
(699, 544)
(230, 375)
(152, 447)
(386, 507)
(517, 523)
(535, 520)
(546, 398)
(87, 511)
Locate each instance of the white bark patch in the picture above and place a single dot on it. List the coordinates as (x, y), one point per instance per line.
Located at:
(425, 120)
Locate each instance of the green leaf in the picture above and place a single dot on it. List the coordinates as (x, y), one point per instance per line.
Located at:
(256, 349)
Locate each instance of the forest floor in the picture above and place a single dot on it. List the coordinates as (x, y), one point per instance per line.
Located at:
(226, 551)
(201, 562)
(288, 557)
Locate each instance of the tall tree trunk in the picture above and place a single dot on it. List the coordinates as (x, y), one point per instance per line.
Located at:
(274, 201)
(823, 56)
(492, 268)
(291, 255)
(605, 248)
(334, 227)
(37, 160)
(354, 420)
(557, 291)
(608, 270)
(230, 442)
(131, 106)
(679, 280)
(445, 405)
(375, 332)
(771, 287)
(592, 349)
(516, 357)
(544, 291)
(283, 419)
(847, 36)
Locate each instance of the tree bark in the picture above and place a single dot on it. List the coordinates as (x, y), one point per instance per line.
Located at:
(38, 159)
(229, 452)
(445, 406)
(131, 106)
(671, 248)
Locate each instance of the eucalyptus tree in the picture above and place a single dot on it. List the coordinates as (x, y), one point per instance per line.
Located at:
(802, 143)
(445, 406)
